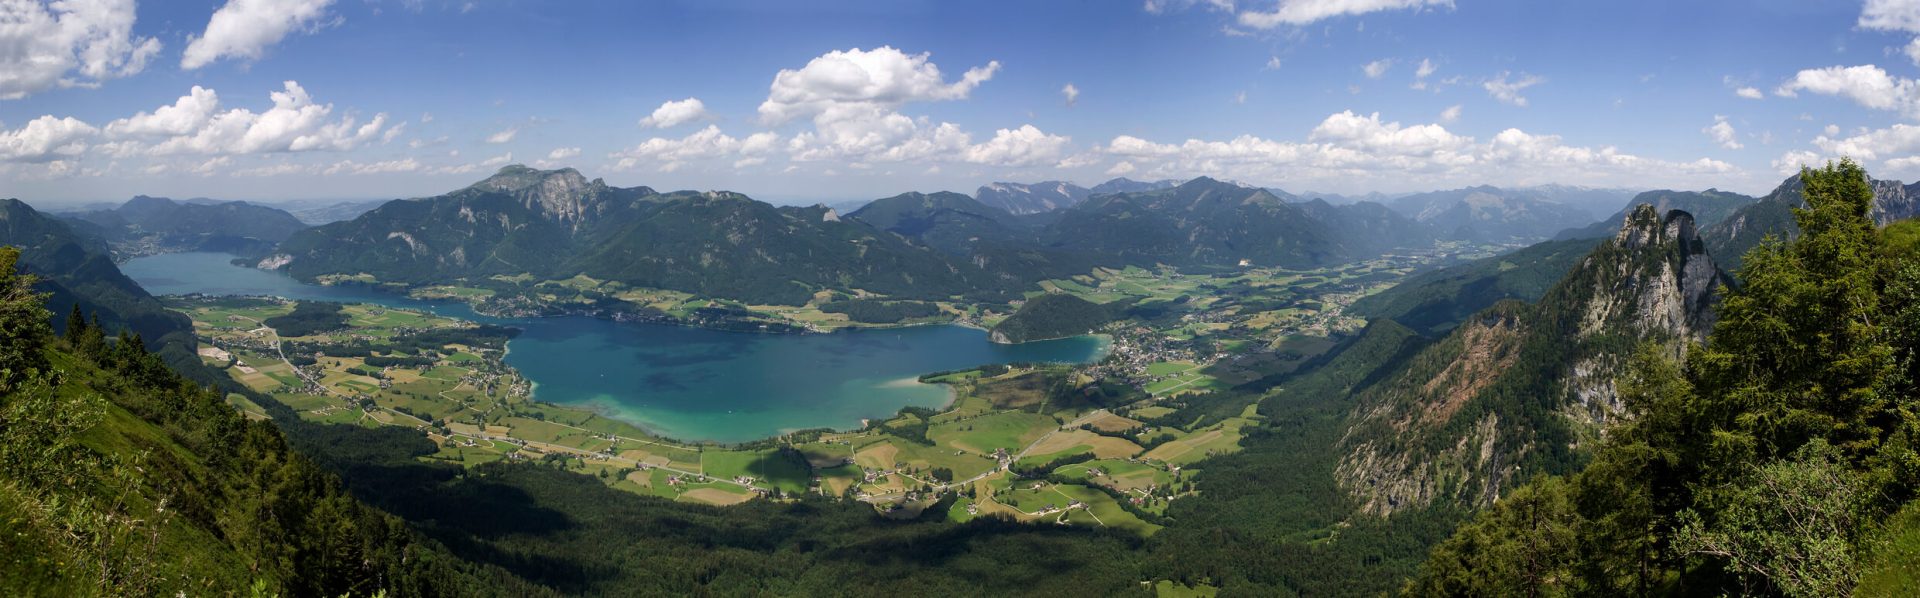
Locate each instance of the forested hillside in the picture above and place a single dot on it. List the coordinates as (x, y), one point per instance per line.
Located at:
(1679, 453)
(556, 224)
(1435, 301)
(1051, 316)
(1208, 222)
(1777, 458)
(117, 477)
(147, 225)
(1708, 208)
(1523, 388)
(76, 270)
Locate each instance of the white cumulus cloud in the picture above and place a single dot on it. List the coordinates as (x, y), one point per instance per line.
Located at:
(1899, 140)
(382, 167)
(854, 97)
(1722, 133)
(1302, 12)
(562, 153)
(882, 77)
(186, 115)
(668, 155)
(46, 139)
(1790, 162)
(244, 29)
(68, 43)
(1891, 15)
(1750, 93)
(195, 125)
(1347, 146)
(1071, 93)
(504, 136)
(1866, 85)
(675, 113)
(1025, 146)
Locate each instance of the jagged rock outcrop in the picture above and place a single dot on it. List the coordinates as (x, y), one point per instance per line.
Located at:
(1520, 388)
(562, 195)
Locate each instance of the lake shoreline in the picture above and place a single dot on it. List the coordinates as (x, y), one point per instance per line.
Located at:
(694, 384)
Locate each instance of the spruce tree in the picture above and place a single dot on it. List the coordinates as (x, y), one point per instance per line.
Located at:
(23, 322)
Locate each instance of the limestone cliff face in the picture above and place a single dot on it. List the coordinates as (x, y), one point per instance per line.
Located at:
(1893, 201)
(1522, 388)
(562, 195)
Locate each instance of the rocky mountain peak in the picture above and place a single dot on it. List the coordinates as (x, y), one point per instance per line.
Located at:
(1652, 282)
(558, 194)
(1892, 200)
(1644, 226)
(1665, 284)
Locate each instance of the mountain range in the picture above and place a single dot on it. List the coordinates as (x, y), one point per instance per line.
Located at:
(557, 224)
(318, 212)
(1495, 215)
(148, 225)
(1021, 198)
(1516, 378)
(1127, 185)
(1772, 215)
(1708, 207)
(78, 270)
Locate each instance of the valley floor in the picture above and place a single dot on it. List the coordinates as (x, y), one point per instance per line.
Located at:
(1016, 443)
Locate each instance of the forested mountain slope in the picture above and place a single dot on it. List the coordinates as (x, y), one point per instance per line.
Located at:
(1209, 222)
(78, 270)
(1435, 301)
(556, 224)
(145, 225)
(947, 221)
(1127, 185)
(1492, 214)
(1708, 208)
(1524, 388)
(1778, 459)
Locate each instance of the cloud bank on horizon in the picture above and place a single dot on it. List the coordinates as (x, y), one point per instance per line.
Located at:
(104, 99)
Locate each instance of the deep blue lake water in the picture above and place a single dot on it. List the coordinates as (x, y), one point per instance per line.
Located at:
(686, 383)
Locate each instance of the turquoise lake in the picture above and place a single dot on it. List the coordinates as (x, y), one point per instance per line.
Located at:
(679, 382)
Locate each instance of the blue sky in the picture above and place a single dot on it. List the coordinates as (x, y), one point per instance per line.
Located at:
(854, 100)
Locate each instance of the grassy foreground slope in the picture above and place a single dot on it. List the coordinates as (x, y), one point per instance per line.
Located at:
(117, 477)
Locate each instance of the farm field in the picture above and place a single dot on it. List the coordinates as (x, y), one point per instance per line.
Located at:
(1113, 444)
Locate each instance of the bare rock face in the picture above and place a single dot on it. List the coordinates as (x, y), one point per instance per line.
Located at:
(1458, 423)
(561, 195)
(1671, 290)
(1893, 201)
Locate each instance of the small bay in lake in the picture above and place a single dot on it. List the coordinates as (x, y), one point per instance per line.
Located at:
(680, 382)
